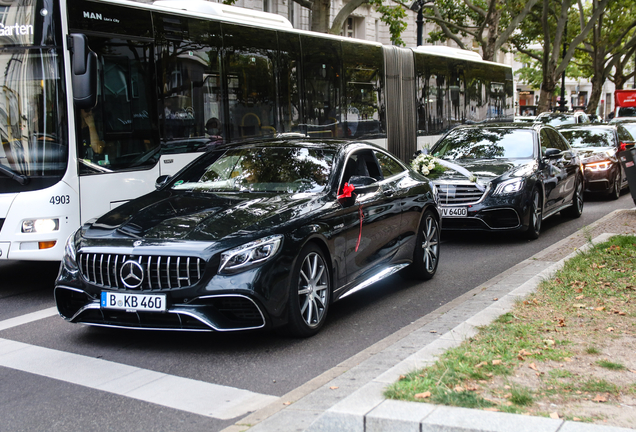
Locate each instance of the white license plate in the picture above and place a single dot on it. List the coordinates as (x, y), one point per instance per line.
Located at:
(450, 212)
(134, 302)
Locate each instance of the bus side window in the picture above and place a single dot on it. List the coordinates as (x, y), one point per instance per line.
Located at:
(250, 63)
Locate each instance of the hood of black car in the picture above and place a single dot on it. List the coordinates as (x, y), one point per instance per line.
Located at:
(485, 169)
(170, 215)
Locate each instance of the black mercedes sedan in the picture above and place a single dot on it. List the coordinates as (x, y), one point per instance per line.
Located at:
(506, 177)
(251, 236)
(597, 146)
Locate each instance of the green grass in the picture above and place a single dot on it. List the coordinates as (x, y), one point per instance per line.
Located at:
(589, 288)
(610, 365)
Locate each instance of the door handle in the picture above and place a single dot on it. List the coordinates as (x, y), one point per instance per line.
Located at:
(388, 192)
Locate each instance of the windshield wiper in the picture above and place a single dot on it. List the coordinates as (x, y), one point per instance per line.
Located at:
(22, 179)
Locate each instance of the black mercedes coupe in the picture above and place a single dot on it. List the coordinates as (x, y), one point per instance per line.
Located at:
(515, 175)
(258, 235)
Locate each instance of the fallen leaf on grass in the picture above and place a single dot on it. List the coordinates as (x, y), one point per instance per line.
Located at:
(533, 366)
(496, 362)
(426, 394)
(610, 329)
(600, 308)
(478, 365)
(554, 415)
(472, 387)
(579, 297)
(578, 306)
(599, 398)
(459, 389)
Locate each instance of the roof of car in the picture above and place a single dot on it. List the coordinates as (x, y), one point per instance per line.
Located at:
(331, 144)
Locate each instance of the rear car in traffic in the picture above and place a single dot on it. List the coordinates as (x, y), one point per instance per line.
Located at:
(597, 146)
(506, 177)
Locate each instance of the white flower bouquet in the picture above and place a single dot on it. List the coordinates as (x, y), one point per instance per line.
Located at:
(426, 165)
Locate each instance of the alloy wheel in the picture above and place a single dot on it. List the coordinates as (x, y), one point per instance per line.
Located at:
(430, 243)
(313, 289)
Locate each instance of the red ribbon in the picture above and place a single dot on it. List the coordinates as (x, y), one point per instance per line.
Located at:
(346, 191)
(360, 233)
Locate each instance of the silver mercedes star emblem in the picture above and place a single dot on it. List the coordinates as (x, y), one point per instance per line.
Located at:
(131, 274)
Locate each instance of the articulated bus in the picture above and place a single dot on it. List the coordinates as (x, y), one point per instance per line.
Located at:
(100, 98)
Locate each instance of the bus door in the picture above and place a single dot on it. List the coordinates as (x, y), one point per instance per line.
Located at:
(118, 146)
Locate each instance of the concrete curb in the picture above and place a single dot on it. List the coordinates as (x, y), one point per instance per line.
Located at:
(350, 396)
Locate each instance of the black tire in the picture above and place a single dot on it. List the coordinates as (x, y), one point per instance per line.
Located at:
(576, 209)
(310, 292)
(536, 216)
(615, 193)
(426, 252)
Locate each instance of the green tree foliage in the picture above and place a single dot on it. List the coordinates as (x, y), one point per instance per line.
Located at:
(489, 22)
(543, 34)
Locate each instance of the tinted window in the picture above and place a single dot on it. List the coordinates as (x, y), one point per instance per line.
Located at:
(237, 170)
(557, 141)
(624, 134)
(482, 143)
(388, 165)
(580, 138)
(191, 114)
(119, 133)
(631, 128)
(363, 73)
(250, 62)
(322, 86)
(289, 82)
(362, 163)
(433, 104)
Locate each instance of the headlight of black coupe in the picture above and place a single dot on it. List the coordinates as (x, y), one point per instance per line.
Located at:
(70, 259)
(249, 255)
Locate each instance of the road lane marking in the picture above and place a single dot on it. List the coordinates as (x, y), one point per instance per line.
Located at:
(198, 397)
(27, 318)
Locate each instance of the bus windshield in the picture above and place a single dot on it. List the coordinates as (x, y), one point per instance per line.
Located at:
(34, 147)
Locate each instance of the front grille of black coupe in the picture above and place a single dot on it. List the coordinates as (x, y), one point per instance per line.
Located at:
(456, 194)
(160, 272)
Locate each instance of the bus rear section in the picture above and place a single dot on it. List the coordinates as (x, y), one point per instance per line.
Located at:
(39, 203)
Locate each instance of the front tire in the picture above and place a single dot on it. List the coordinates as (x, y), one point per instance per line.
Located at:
(310, 292)
(536, 216)
(426, 253)
(576, 209)
(615, 193)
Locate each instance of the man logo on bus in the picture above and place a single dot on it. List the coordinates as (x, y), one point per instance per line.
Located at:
(93, 15)
(132, 274)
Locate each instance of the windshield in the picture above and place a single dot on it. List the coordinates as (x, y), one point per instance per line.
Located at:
(580, 138)
(627, 112)
(33, 150)
(276, 169)
(557, 120)
(482, 143)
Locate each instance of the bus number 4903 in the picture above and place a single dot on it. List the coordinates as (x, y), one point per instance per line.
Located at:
(60, 199)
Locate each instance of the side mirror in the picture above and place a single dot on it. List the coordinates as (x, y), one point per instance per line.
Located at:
(84, 72)
(161, 181)
(552, 153)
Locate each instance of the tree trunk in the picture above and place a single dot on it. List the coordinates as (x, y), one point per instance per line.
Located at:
(595, 96)
(320, 16)
(547, 90)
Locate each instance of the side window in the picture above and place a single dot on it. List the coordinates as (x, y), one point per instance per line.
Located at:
(363, 75)
(557, 141)
(250, 63)
(623, 134)
(120, 132)
(189, 85)
(544, 141)
(361, 163)
(322, 81)
(388, 166)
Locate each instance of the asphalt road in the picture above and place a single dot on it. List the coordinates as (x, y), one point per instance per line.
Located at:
(265, 363)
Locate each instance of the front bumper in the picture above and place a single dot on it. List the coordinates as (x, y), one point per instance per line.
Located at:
(600, 181)
(253, 299)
